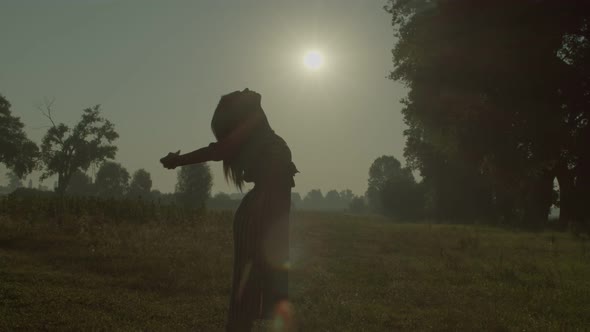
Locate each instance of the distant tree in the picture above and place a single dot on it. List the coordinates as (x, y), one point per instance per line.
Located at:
(296, 201)
(141, 184)
(223, 201)
(314, 200)
(384, 170)
(17, 152)
(193, 186)
(357, 205)
(80, 184)
(162, 198)
(332, 201)
(112, 180)
(346, 196)
(65, 150)
(14, 181)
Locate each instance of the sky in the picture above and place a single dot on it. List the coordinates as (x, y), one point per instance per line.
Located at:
(158, 69)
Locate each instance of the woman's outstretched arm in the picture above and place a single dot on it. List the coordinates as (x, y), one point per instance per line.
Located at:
(221, 150)
(213, 152)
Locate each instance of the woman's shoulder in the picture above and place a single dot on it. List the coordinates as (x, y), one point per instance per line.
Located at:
(278, 147)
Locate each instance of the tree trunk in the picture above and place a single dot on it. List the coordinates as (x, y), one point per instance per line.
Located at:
(582, 193)
(538, 200)
(567, 196)
(61, 184)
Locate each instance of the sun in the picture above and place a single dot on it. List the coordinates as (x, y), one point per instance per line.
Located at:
(313, 60)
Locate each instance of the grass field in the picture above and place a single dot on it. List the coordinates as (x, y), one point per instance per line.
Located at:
(347, 274)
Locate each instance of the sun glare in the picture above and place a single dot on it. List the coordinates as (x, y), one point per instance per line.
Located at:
(313, 60)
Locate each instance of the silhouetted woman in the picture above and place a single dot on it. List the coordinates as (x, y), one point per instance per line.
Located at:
(252, 152)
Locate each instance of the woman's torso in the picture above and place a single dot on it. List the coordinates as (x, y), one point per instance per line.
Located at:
(269, 161)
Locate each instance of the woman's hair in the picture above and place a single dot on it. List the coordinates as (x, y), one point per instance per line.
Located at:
(239, 114)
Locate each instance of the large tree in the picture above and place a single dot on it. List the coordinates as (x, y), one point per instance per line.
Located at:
(193, 187)
(573, 172)
(487, 98)
(66, 150)
(17, 152)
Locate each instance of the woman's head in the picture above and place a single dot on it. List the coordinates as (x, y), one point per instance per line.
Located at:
(239, 118)
(239, 112)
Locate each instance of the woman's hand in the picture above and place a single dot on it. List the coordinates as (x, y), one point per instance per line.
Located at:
(171, 160)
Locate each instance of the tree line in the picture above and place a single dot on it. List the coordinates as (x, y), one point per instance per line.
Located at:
(314, 200)
(68, 153)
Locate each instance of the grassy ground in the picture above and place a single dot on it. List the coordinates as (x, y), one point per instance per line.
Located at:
(347, 274)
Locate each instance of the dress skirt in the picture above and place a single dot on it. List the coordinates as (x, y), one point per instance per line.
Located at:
(261, 255)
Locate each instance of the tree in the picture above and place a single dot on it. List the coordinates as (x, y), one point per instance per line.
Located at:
(489, 123)
(223, 201)
(573, 173)
(66, 150)
(346, 196)
(14, 181)
(314, 200)
(384, 169)
(112, 180)
(357, 205)
(17, 152)
(141, 184)
(332, 201)
(80, 185)
(296, 200)
(402, 198)
(193, 187)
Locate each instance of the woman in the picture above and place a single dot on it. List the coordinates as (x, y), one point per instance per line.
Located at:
(252, 152)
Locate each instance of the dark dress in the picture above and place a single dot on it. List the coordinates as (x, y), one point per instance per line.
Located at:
(261, 235)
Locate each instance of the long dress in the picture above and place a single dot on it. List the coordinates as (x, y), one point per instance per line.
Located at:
(261, 236)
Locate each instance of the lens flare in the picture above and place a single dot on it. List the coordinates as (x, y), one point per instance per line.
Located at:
(283, 317)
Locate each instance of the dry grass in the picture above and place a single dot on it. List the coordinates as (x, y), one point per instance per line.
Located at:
(348, 274)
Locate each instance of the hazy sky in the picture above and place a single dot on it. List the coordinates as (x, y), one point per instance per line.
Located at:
(158, 69)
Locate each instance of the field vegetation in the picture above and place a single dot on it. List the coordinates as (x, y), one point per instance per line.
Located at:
(348, 273)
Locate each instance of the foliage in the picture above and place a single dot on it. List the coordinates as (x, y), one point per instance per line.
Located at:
(34, 205)
(490, 123)
(223, 201)
(141, 184)
(296, 200)
(193, 187)
(14, 181)
(357, 205)
(17, 152)
(112, 180)
(66, 150)
(80, 184)
(314, 200)
(392, 189)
